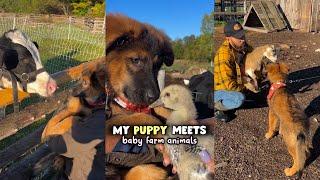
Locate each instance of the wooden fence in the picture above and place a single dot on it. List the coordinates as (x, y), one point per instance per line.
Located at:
(95, 25)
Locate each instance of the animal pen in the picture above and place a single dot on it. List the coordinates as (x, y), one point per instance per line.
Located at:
(67, 46)
(271, 15)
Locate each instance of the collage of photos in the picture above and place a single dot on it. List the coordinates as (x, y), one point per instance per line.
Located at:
(159, 90)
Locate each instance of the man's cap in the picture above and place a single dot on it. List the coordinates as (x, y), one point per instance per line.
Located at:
(234, 29)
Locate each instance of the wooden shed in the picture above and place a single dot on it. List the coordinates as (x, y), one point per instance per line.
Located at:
(264, 16)
(303, 15)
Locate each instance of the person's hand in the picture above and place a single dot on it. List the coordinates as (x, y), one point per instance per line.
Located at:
(251, 88)
(166, 157)
(211, 166)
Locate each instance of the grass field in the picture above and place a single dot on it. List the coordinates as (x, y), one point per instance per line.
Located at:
(61, 46)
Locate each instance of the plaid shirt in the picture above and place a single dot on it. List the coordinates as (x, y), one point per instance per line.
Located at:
(227, 73)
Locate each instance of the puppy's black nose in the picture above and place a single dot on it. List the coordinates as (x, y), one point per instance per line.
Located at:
(152, 95)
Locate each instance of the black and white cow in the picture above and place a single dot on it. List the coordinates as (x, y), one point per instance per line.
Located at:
(19, 58)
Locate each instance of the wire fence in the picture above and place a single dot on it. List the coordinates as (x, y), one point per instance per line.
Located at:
(63, 42)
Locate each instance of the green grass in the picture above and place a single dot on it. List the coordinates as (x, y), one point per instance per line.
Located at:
(61, 46)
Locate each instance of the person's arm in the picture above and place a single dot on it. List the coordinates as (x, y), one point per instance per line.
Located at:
(227, 72)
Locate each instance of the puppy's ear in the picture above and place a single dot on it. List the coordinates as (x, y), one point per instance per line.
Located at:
(119, 42)
(166, 54)
(284, 68)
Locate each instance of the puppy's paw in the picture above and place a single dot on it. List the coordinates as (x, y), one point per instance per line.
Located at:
(290, 171)
(269, 135)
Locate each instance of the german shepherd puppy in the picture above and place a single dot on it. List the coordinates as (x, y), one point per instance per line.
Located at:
(90, 96)
(135, 53)
(294, 125)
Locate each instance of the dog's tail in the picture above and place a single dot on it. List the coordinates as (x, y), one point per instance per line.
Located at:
(146, 172)
(302, 150)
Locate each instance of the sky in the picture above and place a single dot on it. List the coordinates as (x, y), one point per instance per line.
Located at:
(177, 18)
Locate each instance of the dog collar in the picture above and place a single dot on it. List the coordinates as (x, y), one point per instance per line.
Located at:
(130, 106)
(274, 87)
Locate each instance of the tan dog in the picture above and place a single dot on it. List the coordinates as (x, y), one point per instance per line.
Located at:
(294, 125)
(153, 173)
(253, 63)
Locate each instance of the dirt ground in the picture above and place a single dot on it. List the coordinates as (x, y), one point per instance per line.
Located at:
(241, 144)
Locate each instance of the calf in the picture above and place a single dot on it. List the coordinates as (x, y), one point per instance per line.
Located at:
(20, 65)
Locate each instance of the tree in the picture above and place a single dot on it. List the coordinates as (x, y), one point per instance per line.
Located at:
(81, 8)
(196, 48)
(207, 25)
(178, 48)
(93, 8)
(98, 10)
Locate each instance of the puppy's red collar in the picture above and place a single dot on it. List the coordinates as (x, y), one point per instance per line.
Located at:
(130, 106)
(274, 87)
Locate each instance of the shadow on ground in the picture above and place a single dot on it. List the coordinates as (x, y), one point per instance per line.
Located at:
(314, 109)
(303, 79)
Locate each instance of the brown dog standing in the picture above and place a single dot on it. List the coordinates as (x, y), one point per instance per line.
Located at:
(294, 125)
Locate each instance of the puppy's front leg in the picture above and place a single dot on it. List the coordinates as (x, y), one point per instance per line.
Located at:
(272, 124)
(53, 122)
(59, 128)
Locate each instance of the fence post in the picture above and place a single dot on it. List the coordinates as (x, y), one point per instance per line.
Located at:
(25, 21)
(14, 22)
(104, 23)
(245, 6)
(69, 29)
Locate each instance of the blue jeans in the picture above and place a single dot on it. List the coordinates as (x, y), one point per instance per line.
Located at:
(228, 100)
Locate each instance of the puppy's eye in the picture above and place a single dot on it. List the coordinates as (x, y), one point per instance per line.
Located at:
(167, 95)
(135, 60)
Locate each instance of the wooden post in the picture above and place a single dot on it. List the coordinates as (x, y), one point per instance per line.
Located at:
(317, 24)
(69, 29)
(314, 17)
(233, 5)
(14, 22)
(245, 6)
(222, 6)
